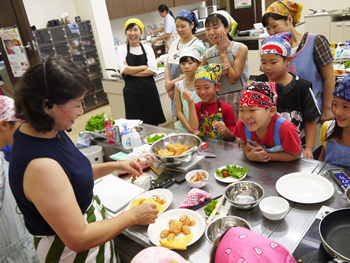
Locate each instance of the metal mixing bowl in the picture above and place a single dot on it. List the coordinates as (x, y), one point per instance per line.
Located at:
(186, 139)
(219, 226)
(244, 195)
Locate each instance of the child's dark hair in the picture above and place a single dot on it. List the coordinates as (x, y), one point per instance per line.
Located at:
(187, 20)
(186, 58)
(163, 8)
(274, 17)
(131, 25)
(214, 19)
(335, 133)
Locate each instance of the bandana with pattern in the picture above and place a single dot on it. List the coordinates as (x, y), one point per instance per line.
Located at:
(278, 44)
(211, 72)
(190, 16)
(342, 91)
(259, 94)
(193, 51)
(134, 21)
(231, 22)
(286, 8)
(7, 109)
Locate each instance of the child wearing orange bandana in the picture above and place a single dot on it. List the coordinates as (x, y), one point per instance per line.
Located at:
(264, 134)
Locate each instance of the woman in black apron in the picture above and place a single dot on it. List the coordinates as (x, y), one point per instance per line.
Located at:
(138, 65)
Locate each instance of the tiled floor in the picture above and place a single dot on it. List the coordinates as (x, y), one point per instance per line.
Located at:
(80, 123)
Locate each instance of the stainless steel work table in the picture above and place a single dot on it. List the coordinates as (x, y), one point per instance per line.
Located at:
(287, 232)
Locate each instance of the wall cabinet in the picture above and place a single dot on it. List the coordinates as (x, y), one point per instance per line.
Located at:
(185, 2)
(123, 8)
(152, 5)
(75, 42)
(340, 31)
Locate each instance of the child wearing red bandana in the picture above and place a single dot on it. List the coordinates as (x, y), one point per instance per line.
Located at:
(264, 134)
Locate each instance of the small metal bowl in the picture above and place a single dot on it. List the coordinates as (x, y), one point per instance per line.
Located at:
(185, 139)
(244, 195)
(219, 226)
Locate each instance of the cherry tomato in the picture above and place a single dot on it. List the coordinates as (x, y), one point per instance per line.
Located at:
(224, 173)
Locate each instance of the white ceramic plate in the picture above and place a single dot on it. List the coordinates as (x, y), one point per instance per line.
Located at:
(159, 134)
(305, 188)
(222, 210)
(228, 179)
(163, 193)
(163, 223)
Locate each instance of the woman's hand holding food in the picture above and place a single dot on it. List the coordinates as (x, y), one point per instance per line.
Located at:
(144, 214)
(129, 166)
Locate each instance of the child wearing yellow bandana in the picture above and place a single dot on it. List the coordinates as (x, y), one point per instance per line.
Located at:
(213, 118)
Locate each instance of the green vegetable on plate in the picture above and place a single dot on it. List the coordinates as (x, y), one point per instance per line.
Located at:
(97, 123)
(154, 138)
(210, 207)
(234, 171)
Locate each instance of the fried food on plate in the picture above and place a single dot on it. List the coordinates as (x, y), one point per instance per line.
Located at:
(180, 243)
(174, 149)
(142, 200)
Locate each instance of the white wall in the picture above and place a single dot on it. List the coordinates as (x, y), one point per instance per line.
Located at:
(41, 11)
(147, 19)
(321, 4)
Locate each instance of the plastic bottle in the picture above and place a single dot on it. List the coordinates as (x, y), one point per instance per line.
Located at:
(108, 129)
(346, 51)
(332, 46)
(338, 51)
(135, 139)
(126, 142)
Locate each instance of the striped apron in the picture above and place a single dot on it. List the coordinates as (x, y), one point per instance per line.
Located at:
(52, 249)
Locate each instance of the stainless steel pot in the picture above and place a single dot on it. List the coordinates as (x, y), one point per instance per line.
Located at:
(334, 231)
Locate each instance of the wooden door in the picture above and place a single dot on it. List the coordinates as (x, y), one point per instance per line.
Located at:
(13, 14)
(246, 17)
(122, 8)
(152, 5)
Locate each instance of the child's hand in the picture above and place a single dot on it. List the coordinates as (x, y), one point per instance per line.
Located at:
(168, 85)
(220, 125)
(225, 68)
(257, 153)
(186, 94)
(307, 153)
(195, 132)
(171, 94)
(240, 142)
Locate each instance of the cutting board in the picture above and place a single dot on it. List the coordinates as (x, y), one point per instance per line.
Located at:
(115, 193)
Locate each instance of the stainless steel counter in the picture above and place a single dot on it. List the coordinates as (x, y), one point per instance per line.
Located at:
(287, 232)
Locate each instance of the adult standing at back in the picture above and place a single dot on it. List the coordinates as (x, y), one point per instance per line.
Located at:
(186, 24)
(312, 58)
(138, 65)
(169, 28)
(220, 29)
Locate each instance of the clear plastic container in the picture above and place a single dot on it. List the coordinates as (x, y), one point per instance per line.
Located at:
(135, 139)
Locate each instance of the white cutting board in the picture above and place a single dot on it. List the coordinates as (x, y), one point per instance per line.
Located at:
(115, 193)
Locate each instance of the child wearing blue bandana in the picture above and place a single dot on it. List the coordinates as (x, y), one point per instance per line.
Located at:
(296, 101)
(335, 134)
